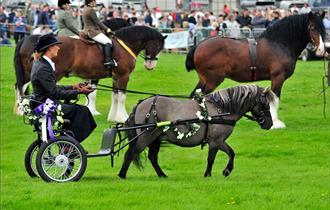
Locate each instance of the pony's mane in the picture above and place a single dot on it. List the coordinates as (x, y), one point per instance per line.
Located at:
(293, 30)
(138, 33)
(238, 98)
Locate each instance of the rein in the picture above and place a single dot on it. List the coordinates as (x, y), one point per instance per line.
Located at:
(110, 88)
(325, 76)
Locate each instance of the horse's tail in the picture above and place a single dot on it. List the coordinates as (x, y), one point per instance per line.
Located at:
(19, 70)
(190, 59)
(130, 122)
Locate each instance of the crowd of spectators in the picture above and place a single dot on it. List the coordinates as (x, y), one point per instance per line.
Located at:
(42, 18)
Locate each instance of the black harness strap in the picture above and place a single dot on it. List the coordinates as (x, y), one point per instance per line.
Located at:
(253, 58)
(205, 138)
(152, 110)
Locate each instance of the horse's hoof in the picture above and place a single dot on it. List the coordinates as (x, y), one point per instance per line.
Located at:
(95, 113)
(162, 176)
(226, 172)
(278, 124)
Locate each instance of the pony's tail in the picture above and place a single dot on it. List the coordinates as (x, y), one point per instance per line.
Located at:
(190, 59)
(19, 70)
(130, 122)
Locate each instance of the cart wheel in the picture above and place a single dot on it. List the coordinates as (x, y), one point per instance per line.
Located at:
(61, 160)
(30, 159)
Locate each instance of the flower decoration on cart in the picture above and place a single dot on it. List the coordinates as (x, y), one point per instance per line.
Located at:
(49, 114)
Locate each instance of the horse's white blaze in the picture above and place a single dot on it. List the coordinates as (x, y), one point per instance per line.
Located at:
(150, 64)
(91, 102)
(118, 111)
(273, 111)
(320, 51)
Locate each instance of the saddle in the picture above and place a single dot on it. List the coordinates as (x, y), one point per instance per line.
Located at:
(85, 38)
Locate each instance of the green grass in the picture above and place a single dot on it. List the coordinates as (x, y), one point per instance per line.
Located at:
(277, 169)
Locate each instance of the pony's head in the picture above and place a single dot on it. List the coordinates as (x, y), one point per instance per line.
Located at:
(316, 33)
(261, 109)
(152, 49)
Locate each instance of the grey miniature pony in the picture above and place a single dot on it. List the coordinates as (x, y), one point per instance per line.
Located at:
(214, 130)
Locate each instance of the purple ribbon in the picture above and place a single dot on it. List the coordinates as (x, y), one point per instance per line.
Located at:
(46, 109)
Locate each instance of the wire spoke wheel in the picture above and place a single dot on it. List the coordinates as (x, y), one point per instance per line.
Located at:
(61, 160)
(30, 159)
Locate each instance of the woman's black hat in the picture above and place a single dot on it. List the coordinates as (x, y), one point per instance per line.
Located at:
(45, 41)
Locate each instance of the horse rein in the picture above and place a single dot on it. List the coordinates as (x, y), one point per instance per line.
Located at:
(110, 88)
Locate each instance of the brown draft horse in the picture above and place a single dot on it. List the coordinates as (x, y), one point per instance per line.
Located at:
(86, 61)
(277, 51)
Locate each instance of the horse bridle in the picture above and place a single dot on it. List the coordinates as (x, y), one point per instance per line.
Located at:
(261, 100)
(148, 57)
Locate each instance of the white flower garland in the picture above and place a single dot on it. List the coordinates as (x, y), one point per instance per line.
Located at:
(194, 127)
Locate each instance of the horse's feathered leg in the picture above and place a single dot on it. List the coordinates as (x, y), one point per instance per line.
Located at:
(113, 107)
(153, 157)
(118, 111)
(277, 83)
(213, 150)
(91, 98)
(18, 95)
(231, 154)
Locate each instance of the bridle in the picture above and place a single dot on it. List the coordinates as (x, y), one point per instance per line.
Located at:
(260, 117)
(148, 57)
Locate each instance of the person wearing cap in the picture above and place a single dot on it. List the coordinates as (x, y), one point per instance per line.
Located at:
(43, 81)
(94, 28)
(65, 21)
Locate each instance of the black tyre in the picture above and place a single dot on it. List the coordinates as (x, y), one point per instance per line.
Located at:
(61, 160)
(30, 159)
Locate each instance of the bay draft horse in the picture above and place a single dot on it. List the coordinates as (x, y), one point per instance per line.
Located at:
(235, 101)
(277, 51)
(23, 80)
(86, 61)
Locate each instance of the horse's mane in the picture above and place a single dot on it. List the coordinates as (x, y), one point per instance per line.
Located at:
(116, 23)
(238, 98)
(292, 31)
(138, 33)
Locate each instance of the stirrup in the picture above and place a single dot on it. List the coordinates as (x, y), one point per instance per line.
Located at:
(111, 64)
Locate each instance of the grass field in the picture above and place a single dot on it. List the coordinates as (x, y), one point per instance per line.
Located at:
(276, 169)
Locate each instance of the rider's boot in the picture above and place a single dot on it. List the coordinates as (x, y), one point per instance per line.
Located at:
(109, 63)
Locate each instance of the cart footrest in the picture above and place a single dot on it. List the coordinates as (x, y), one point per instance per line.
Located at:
(108, 141)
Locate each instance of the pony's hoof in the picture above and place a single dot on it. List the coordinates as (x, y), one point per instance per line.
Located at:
(207, 174)
(162, 176)
(226, 172)
(122, 176)
(278, 124)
